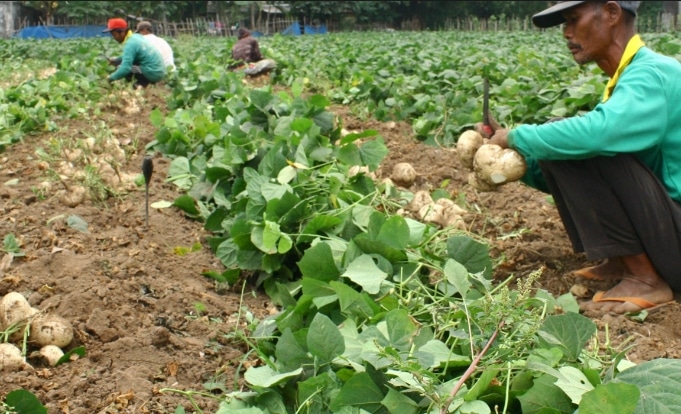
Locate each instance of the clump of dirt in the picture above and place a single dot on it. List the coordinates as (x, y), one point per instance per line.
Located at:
(150, 321)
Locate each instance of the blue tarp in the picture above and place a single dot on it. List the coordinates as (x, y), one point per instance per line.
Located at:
(60, 32)
(315, 30)
(295, 30)
(64, 32)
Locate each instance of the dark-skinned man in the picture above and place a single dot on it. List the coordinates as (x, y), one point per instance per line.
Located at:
(141, 62)
(615, 172)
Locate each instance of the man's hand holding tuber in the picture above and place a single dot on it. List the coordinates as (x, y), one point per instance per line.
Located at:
(500, 138)
(487, 130)
(484, 130)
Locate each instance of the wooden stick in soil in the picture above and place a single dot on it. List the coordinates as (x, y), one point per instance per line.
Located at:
(485, 102)
(470, 370)
(147, 170)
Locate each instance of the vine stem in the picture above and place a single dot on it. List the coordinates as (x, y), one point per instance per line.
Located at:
(470, 369)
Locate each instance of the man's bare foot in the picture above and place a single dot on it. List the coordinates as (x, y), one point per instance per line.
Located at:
(610, 269)
(630, 295)
(641, 288)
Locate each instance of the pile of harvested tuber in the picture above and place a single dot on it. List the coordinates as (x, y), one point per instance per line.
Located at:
(417, 205)
(491, 166)
(26, 327)
(443, 212)
(101, 158)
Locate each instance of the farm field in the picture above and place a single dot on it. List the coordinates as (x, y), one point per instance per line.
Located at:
(260, 240)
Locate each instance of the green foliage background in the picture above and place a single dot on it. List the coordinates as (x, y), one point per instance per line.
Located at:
(432, 14)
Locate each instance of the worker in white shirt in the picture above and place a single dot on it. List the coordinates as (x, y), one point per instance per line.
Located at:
(146, 28)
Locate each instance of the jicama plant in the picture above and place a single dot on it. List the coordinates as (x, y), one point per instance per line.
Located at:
(379, 312)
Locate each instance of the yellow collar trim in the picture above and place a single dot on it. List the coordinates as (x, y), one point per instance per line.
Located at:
(127, 36)
(629, 52)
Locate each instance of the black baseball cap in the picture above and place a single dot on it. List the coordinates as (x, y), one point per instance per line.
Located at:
(553, 16)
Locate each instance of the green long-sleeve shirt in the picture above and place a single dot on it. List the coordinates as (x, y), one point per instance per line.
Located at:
(140, 52)
(642, 117)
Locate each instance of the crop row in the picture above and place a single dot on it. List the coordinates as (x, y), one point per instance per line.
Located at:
(379, 311)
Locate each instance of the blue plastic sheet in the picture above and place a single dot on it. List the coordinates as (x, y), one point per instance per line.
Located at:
(293, 29)
(60, 32)
(315, 29)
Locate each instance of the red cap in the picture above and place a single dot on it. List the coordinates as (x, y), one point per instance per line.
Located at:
(116, 24)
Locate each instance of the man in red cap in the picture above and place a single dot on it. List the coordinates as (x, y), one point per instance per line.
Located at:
(615, 172)
(140, 62)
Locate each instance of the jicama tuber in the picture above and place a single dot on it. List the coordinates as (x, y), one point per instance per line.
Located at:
(403, 174)
(51, 330)
(421, 198)
(495, 166)
(431, 213)
(15, 311)
(72, 197)
(443, 212)
(51, 354)
(466, 147)
(10, 358)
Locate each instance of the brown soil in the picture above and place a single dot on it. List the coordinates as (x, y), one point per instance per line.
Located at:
(150, 321)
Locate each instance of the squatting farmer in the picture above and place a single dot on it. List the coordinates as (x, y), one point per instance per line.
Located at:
(615, 172)
(140, 62)
(245, 50)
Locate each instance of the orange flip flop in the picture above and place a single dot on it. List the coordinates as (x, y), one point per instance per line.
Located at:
(640, 302)
(587, 273)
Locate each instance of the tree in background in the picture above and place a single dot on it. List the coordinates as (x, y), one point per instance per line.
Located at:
(84, 11)
(46, 8)
(81, 12)
(159, 10)
(648, 15)
(432, 15)
(362, 11)
(428, 14)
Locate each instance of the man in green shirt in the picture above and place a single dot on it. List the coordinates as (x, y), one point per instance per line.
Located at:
(614, 173)
(140, 62)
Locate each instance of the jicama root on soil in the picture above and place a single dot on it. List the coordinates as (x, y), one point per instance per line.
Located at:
(491, 165)
(48, 332)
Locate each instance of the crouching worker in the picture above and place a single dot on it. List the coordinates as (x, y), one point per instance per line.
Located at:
(247, 57)
(146, 29)
(141, 62)
(615, 172)
(245, 50)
